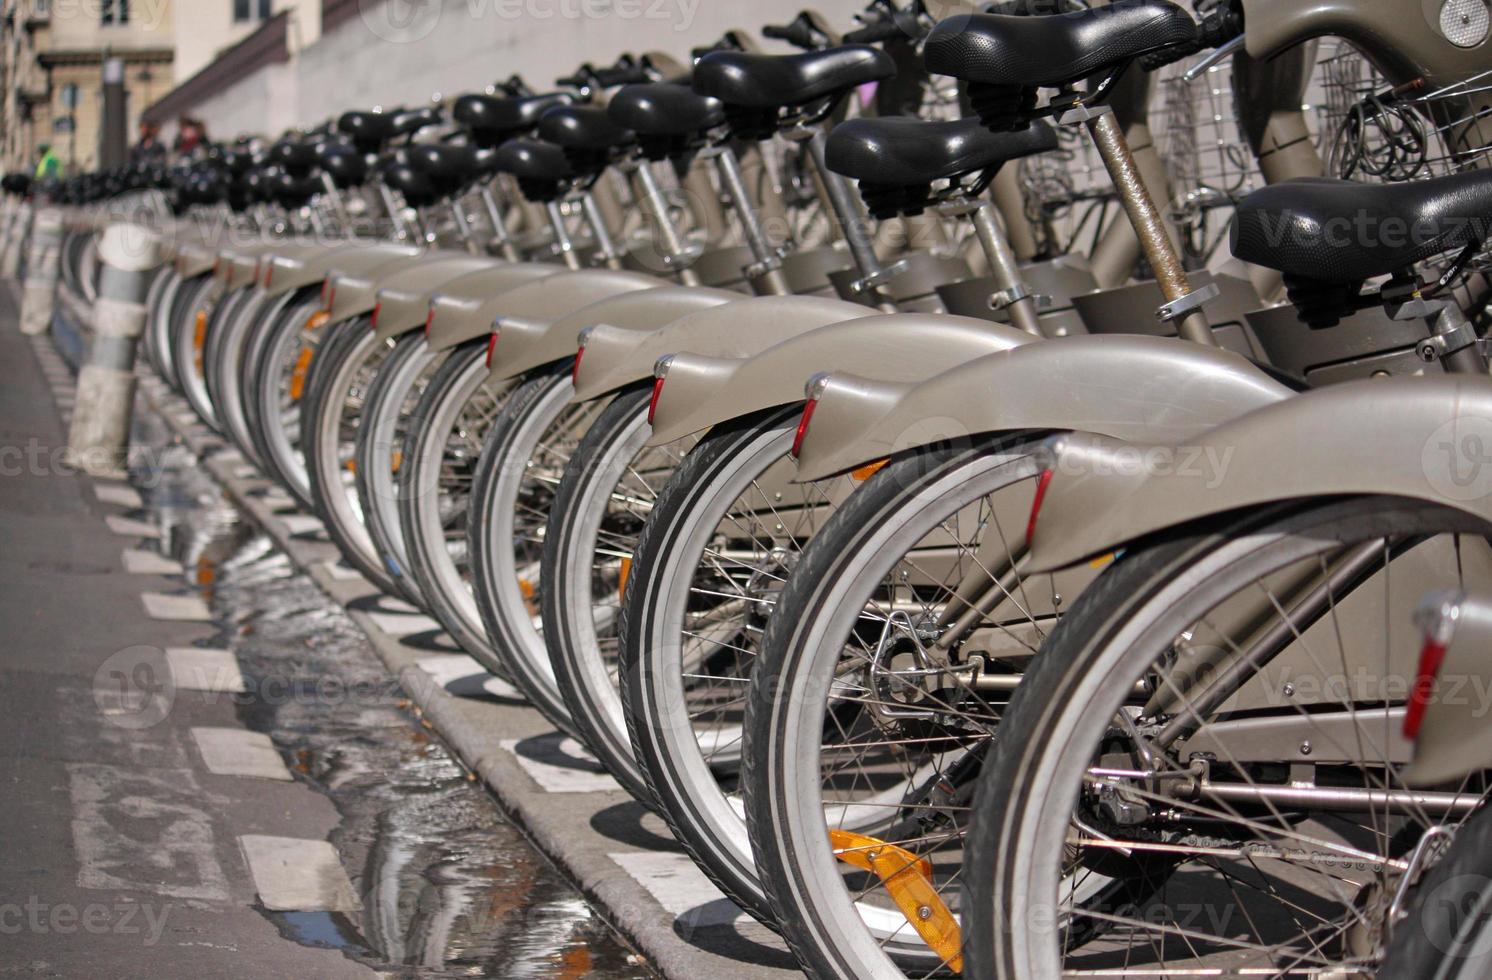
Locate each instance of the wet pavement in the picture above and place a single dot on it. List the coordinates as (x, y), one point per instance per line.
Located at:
(448, 886)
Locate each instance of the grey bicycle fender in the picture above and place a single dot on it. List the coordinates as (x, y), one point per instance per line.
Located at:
(402, 308)
(288, 273)
(1409, 437)
(194, 258)
(457, 316)
(524, 344)
(1149, 390)
(616, 356)
(704, 391)
(355, 295)
(1455, 733)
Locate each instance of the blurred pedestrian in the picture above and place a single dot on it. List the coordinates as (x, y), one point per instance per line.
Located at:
(48, 167)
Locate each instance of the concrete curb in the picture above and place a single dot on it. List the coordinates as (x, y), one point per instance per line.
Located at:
(587, 835)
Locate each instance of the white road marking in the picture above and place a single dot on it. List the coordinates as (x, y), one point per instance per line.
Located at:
(573, 770)
(237, 752)
(680, 887)
(341, 571)
(175, 608)
(402, 624)
(203, 669)
(143, 830)
(463, 676)
(301, 523)
(138, 561)
(123, 496)
(294, 875)
(127, 527)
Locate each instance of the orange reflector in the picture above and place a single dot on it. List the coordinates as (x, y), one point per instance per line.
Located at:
(621, 587)
(1431, 656)
(298, 373)
(803, 426)
(199, 337)
(1042, 482)
(1102, 560)
(351, 465)
(398, 458)
(318, 320)
(908, 880)
(869, 470)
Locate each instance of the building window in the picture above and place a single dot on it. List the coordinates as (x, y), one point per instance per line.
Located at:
(244, 10)
(115, 11)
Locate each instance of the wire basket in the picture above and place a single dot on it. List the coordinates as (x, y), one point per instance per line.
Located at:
(1375, 132)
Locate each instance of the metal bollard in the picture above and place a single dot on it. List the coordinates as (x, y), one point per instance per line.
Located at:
(12, 228)
(99, 438)
(43, 266)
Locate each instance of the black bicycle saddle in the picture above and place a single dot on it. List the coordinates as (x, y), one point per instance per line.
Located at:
(1053, 50)
(492, 119)
(664, 109)
(767, 81)
(541, 168)
(907, 150)
(583, 127)
(1342, 231)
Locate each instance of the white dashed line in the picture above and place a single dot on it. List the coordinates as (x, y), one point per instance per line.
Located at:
(175, 608)
(573, 770)
(294, 875)
(204, 669)
(341, 571)
(402, 624)
(680, 887)
(236, 752)
(127, 527)
(462, 676)
(123, 496)
(138, 561)
(301, 523)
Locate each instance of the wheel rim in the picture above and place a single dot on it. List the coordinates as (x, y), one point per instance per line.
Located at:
(1337, 885)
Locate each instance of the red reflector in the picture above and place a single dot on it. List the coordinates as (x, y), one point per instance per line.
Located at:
(653, 402)
(269, 273)
(377, 308)
(491, 344)
(808, 408)
(575, 378)
(429, 319)
(1431, 655)
(1042, 482)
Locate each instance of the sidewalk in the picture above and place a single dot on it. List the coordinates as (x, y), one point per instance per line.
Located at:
(123, 848)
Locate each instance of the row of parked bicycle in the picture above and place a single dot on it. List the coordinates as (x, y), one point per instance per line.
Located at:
(1020, 580)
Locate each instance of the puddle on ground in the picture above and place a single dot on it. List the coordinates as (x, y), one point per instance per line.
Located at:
(450, 888)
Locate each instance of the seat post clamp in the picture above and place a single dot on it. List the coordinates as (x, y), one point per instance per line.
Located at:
(1002, 299)
(866, 283)
(1077, 114)
(1183, 306)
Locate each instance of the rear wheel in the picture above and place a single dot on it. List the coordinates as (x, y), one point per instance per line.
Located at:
(881, 684)
(521, 465)
(607, 492)
(205, 305)
(1224, 699)
(435, 480)
(276, 363)
(338, 383)
(388, 416)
